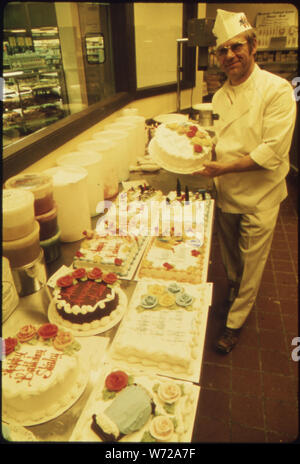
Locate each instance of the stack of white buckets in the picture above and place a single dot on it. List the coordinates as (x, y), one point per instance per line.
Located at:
(83, 179)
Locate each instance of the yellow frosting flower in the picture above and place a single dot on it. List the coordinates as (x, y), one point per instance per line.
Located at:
(62, 340)
(166, 300)
(169, 392)
(156, 289)
(162, 428)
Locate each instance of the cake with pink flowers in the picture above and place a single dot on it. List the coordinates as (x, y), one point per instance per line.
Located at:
(41, 374)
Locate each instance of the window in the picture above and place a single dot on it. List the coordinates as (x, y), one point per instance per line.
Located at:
(51, 50)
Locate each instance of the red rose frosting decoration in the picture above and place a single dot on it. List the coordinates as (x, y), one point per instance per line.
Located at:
(95, 274)
(118, 261)
(168, 266)
(198, 148)
(79, 254)
(190, 133)
(79, 273)
(110, 278)
(195, 253)
(116, 381)
(65, 281)
(9, 345)
(47, 331)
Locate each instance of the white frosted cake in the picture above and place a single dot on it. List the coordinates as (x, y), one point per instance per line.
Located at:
(113, 253)
(41, 373)
(161, 329)
(180, 257)
(130, 213)
(181, 147)
(129, 406)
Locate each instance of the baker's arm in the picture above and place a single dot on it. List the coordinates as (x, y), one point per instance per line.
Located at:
(277, 130)
(217, 168)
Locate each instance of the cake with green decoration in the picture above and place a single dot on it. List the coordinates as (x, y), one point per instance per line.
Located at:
(131, 406)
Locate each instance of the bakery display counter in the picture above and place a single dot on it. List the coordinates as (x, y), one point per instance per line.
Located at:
(34, 310)
(33, 99)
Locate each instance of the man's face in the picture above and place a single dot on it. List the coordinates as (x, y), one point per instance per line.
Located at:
(237, 62)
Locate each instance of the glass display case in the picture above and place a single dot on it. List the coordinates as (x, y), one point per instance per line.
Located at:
(34, 86)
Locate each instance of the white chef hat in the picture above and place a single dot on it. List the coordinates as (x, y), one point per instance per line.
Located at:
(229, 24)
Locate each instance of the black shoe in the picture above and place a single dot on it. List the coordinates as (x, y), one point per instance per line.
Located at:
(227, 340)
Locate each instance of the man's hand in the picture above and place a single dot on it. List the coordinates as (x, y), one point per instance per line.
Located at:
(217, 168)
(212, 169)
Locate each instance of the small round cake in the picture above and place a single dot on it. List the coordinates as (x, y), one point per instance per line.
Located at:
(88, 299)
(181, 147)
(41, 374)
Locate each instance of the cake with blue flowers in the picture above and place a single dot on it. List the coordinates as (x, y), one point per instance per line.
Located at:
(161, 329)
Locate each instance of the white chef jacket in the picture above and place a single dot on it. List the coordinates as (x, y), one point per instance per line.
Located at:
(257, 118)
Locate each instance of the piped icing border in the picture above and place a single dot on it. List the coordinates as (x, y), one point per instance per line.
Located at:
(81, 274)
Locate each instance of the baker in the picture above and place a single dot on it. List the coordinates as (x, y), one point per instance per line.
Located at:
(255, 121)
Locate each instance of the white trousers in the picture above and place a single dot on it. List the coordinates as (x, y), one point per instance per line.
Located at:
(245, 242)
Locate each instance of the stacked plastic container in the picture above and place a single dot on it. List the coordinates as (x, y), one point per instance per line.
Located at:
(72, 199)
(109, 166)
(45, 233)
(91, 161)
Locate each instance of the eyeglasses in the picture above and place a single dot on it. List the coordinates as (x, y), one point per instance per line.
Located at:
(235, 48)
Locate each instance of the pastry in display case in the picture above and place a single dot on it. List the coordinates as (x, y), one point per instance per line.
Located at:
(32, 100)
(35, 93)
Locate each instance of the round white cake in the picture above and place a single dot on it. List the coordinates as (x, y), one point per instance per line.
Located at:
(181, 147)
(40, 376)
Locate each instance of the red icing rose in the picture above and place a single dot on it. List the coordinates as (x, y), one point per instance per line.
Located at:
(195, 253)
(9, 345)
(47, 331)
(79, 254)
(79, 273)
(110, 278)
(193, 128)
(118, 261)
(168, 266)
(65, 281)
(198, 148)
(95, 274)
(116, 381)
(190, 133)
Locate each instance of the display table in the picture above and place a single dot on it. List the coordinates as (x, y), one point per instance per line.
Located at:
(33, 309)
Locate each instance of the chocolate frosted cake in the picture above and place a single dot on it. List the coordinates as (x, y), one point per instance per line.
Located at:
(86, 297)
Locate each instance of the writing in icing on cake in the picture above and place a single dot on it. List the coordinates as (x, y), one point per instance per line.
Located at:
(23, 367)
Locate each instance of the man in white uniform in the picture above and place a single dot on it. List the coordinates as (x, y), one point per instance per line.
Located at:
(255, 113)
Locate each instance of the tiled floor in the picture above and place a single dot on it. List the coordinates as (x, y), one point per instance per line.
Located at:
(250, 395)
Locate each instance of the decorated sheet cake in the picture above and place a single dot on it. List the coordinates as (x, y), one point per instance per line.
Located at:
(126, 215)
(164, 329)
(184, 256)
(113, 253)
(130, 406)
